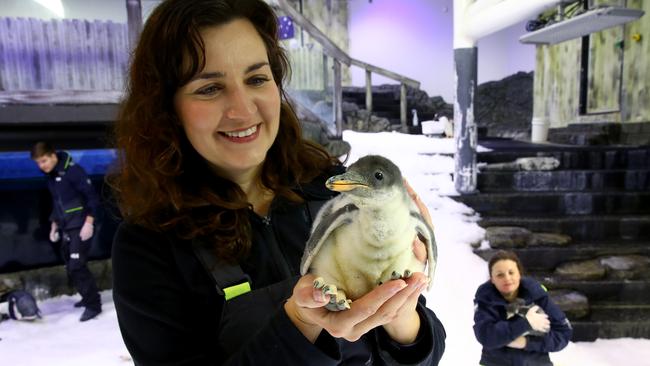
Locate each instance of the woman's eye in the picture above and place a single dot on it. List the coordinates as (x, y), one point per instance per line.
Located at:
(208, 90)
(379, 175)
(258, 80)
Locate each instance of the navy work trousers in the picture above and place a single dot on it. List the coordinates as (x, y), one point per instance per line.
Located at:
(75, 255)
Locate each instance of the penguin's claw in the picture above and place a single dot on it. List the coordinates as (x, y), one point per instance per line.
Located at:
(329, 290)
(338, 299)
(319, 282)
(344, 304)
(395, 275)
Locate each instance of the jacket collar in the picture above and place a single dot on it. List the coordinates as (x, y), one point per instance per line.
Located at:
(65, 161)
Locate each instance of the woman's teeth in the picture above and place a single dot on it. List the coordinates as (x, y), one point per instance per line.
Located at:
(244, 133)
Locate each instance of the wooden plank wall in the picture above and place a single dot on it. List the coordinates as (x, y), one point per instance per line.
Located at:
(557, 76)
(636, 67)
(67, 54)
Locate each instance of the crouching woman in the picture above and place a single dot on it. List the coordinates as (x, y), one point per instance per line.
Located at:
(514, 319)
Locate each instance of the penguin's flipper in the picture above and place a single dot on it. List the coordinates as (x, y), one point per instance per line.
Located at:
(326, 222)
(425, 230)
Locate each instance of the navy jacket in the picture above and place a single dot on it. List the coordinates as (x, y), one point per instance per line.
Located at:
(73, 196)
(170, 313)
(494, 331)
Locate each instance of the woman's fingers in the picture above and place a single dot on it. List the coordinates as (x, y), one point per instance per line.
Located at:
(306, 295)
(380, 306)
(402, 301)
(419, 250)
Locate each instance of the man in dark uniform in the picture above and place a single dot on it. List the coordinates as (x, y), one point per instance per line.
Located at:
(74, 208)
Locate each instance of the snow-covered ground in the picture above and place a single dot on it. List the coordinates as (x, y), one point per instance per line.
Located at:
(60, 339)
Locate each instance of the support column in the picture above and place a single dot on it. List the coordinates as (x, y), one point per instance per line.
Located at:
(465, 133)
(337, 100)
(369, 91)
(402, 108)
(134, 21)
(326, 72)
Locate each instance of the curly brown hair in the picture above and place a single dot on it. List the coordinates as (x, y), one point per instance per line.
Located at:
(161, 182)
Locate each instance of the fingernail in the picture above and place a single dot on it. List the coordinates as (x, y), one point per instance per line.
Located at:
(399, 287)
(318, 296)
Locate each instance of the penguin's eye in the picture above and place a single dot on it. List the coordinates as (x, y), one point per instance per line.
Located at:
(379, 176)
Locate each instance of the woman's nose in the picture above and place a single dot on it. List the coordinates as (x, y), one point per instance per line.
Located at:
(240, 104)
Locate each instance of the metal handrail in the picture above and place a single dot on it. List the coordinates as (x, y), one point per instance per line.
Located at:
(339, 56)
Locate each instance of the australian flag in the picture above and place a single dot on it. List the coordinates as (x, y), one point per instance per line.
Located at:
(285, 27)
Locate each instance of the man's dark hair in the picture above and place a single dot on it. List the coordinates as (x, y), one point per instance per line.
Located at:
(41, 148)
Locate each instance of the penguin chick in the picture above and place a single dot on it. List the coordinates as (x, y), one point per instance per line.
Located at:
(364, 236)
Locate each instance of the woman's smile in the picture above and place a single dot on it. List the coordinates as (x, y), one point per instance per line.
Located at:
(241, 136)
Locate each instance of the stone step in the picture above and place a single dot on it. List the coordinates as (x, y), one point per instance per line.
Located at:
(612, 311)
(548, 258)
(562, 203)
(584, 138)
(589, 316)
(587, 331)
(571, 157)
(625, 292)
(564, 180)
(581, 228)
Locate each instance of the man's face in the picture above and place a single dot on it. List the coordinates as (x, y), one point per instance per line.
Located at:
(46, 162)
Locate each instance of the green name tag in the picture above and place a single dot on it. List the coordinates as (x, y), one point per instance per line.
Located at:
(234, 291)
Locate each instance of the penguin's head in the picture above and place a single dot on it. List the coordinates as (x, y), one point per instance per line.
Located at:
(373, 179)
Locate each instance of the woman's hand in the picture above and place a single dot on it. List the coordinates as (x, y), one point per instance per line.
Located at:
(519, 343)
(391, 304)
(538, 320)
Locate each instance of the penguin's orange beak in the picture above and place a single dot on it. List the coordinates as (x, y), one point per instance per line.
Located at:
(345, 182)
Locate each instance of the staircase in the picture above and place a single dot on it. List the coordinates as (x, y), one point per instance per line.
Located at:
(386, 103)
(583, 229)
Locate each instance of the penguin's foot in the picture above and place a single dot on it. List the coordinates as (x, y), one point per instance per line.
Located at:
(396, 275)
(338, 299)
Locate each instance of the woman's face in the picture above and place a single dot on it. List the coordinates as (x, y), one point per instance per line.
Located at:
(505, 276)
(230, 111)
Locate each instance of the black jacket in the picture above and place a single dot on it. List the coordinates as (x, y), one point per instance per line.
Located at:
(494, 331)
(73, 196)
(170, 313)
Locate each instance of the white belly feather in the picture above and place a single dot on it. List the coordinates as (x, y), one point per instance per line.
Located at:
(360, 255)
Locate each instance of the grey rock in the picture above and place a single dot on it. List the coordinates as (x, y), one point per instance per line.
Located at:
(535, 163)
(549, 239)
(626, 267)
(574, 304)
(378, 124)
(504, 237)
(590, 269)
(505, 108)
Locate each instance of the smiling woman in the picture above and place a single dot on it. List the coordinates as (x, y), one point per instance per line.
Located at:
(231, 111)
(217, 187)
(514, 318)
